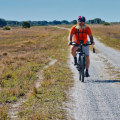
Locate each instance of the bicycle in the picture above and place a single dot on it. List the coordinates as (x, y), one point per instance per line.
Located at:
(81, 59)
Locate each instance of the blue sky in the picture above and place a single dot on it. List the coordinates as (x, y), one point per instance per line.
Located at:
(50, 10)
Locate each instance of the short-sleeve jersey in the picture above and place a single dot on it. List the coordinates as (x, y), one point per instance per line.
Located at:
(80, 34)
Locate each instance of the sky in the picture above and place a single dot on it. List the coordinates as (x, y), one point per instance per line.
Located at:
(49, 10)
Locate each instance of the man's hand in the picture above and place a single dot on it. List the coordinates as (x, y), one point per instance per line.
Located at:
(70, 39)
(70, 43)
(91, 39)
(93, 43)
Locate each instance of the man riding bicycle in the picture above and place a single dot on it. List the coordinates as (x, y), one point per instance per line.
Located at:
(79, 33)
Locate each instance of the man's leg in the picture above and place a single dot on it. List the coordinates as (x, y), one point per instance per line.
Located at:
(73, 52)
(87, 60)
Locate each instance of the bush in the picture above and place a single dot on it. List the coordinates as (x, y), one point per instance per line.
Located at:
(106, 23)
(25, 24)
(6, 28)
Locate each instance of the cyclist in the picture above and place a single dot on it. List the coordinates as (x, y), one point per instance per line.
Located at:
(77, 33)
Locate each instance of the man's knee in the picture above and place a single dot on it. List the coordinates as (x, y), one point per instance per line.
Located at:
(73, 49)
(87, 57)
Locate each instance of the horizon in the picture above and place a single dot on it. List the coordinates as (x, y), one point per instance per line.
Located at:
(54, 20)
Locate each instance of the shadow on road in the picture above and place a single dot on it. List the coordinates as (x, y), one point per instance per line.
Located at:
(106, 81)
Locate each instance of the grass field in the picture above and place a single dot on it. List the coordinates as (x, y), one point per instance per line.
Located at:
(109, 35)
(22, 53)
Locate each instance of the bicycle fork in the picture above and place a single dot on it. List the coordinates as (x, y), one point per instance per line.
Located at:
(79, 65)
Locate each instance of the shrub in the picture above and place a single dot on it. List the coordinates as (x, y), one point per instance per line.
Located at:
(6, 28)
(25, 24)
(106, 23)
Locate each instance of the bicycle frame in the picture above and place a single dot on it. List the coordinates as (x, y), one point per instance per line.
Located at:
(81, 59)
(79, 54)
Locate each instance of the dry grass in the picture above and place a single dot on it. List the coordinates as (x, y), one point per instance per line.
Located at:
(66, 26)
(110, 35)
(46, 101)
(20, 58)
(22, 53)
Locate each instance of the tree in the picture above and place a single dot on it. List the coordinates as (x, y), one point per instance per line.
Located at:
(55, 22)
(42, 23)
(74, 22)
(25, 24)
(96, 21)
(64, 22)
(2, 23)
(13, 23)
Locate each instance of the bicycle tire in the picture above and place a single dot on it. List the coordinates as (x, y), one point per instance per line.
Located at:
(80, 75)
(79, 63)
(82, 69)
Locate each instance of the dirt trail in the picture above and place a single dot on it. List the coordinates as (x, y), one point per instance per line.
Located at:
(14, 107)
(112, 55)
(98, 98)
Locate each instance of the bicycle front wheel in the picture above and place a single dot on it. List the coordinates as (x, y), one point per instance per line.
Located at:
(80, 75)
(79, 68)
(82, 68)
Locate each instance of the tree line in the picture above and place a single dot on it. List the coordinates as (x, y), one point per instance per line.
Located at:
(4, 22)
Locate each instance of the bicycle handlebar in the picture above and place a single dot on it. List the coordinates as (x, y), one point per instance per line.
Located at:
(73, 43)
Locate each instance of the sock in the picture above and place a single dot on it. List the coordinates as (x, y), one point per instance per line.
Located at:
(75, 59)
(86, 70)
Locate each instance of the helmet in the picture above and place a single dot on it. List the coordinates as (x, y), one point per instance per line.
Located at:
(81, 19)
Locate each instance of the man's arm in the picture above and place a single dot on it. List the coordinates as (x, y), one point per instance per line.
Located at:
(70, 38)
(91, 39)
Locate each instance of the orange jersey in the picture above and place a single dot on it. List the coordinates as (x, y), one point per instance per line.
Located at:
(82, 34)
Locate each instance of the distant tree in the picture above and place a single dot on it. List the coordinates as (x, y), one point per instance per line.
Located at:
(74, 22)
(2, 23)
(64, 22)
(91, 22)
(25, 24)
(13, 23)
(96, 21)
(55, 22)
(42, 23)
